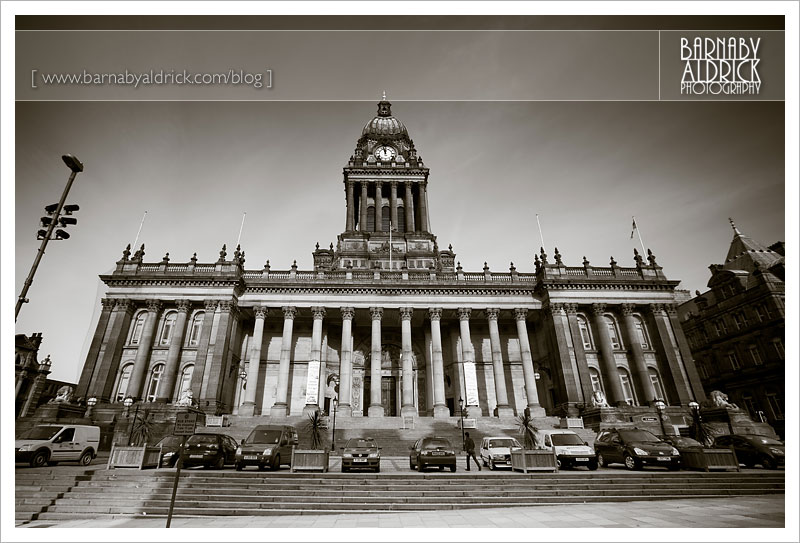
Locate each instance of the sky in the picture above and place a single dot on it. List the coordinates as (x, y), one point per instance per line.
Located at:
(682, 168)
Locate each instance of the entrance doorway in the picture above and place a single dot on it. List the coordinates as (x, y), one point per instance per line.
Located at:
(388, 395)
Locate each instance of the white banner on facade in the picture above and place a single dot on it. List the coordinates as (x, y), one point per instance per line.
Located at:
(312, 382)
(471, 383)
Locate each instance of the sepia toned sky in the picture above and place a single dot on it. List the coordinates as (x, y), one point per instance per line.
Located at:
(682, 168)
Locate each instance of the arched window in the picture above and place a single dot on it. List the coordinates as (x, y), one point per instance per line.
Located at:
(197, 326)
(401, 218)
(627, 386)
(613, 332)
(641, 329)
(658, 386)
(586, 334)
(155, 379)
(169, 326)
(597, 382)
(185, 382)
(136, 328)
(386, 218)
(371, 219)
(123, 380)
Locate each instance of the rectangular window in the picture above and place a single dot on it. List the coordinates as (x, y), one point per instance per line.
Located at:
(627, 390)
(733, 361)
(759, 313)
(750, 406)
(743, 316)
(702, 368)
(756, 355)
(612, 336)
(778, 344)
(775, 405)
(718, 328)
(723, 326)
(737, 320)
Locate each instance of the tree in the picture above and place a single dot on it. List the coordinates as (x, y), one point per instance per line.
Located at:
(313, 428)
(528, 430)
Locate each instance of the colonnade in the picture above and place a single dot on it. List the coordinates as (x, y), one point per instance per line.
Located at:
(408, 200)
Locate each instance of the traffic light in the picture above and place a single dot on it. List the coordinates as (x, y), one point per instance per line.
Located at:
(51, 208)
(67, 221)
(69, 209)
(46, 221)
(41, 234)
(60, 234)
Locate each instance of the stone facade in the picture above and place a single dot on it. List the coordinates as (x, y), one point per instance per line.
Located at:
(736, 329)
(386, 322)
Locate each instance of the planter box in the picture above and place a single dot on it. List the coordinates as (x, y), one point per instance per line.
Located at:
(708, 459)
(572, 422)
(134, 457)
(533, 460)
(308, 460)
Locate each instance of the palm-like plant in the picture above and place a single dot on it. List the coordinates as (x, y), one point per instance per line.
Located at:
(313, 428)
(701, 432)
(528, 430)
(142, 428)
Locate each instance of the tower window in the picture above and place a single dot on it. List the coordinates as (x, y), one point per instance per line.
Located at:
(371, 219)
(386, 218)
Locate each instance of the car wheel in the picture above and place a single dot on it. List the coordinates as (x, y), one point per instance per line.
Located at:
(262, 467)
(410, 464)
(86, 458)
(453, 469)
(220, 463)
(492, 466)
(419, 467)
(377, 469)
(344, 469)
(559, 465)
(39, 459)
(630, 462)
(601, 461)
(769, 463)
(52, 463)
(238, 466)
(593, 465)
(276, 463)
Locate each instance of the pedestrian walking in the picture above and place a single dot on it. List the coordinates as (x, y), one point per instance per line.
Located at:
(469, 447)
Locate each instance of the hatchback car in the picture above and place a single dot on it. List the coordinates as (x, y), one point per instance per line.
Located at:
(361, 453)
(683, 444)
(752, 449)
(267, 446)
(496, 451)
(170, 446)
(570, 450)
(635, 448)
(432, 451)
(209, 450)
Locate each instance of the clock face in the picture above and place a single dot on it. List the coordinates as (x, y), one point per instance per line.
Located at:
(385, 153)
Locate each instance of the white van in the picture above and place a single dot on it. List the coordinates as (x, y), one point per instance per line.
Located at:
(570, 449)
(54, 443)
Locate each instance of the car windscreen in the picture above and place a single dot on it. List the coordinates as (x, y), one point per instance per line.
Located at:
(360, 444)
(170, 441)
(638, 435)
(503, 443)
(767, 441)
(41, 432)
(561, 440)
(202, 440)
(435, 443)
(270, 437)
(686, 442)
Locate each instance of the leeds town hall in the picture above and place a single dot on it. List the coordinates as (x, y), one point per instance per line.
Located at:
(388, 323)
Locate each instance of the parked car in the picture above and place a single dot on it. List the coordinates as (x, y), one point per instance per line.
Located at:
(683, 444)
(54, 443)
(267, 446)
(361, 453)
(432, 451)
(570, 449)
(635, 448)
(209, 450)
(752, 449)
(496, 451)
(170, 446)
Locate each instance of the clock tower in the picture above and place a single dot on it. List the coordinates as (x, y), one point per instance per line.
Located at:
(386, 192)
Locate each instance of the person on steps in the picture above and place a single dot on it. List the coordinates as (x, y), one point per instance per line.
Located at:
(469, 447)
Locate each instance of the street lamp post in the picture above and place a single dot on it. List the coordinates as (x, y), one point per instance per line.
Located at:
(91, 402)
(461, 413)
(333, 435)
(660, 406)
(127, 403)
(76, 166)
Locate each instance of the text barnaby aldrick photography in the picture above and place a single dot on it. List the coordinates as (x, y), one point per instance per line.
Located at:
(720, 65)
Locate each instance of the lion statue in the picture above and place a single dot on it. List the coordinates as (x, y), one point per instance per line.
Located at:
(64, 395)
(598, 399)
(186, 399)
(720, 399)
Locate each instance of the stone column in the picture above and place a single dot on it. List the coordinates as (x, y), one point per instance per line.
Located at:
(423, 206)
(362, 226)
(566, 375)
(92, 358)
(440, 409)
(350, 222)
(528, 373)
(248, 408)
(580, 353)
(685, 353)
(471, 401)
(143, 352)
(641, 374)
(607, 362)
(407, 408)
(281, 407)
(214, 392)
(102, 382)
(503, 408)
(393, 203)
(379, 207)
(167, 386)
(203, 347)
(668, 348)
(375, 406)
(346, 363)
(409, 207)
(312, 379)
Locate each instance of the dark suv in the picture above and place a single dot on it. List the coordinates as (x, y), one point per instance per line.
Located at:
(209, 450)
(432, 451)
(635, 448)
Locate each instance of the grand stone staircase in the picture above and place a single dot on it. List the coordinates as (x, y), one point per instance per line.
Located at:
(117, 493)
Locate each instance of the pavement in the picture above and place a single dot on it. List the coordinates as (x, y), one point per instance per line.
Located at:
(737, 512)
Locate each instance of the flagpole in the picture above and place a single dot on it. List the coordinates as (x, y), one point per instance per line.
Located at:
(240, 228)
(390, 244)
(638, 233)
(540, 230)
(139, 231)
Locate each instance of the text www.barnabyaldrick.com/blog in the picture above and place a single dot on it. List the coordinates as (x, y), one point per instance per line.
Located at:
(127, 78)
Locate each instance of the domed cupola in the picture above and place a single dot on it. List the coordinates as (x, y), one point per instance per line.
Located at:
(385, 143)
(384, 124)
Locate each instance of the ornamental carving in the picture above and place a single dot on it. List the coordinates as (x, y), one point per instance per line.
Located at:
(627, 309)
(347, 313)
(125, 305)
(657, 309)
(210, 305)
(406, 313)
(260, 311)
(376, 312)
(318, 313)
(520, 313)
(598, 309)
(464, 313)
(435, 313)
(183, 305)
(107, 303)
(572, 309)
(558, 308)
(289, 312)
(227, 305)
(153, 305)
(671, 309)
(492, 314)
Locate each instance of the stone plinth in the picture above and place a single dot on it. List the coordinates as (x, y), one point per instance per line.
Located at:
(53, 412)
